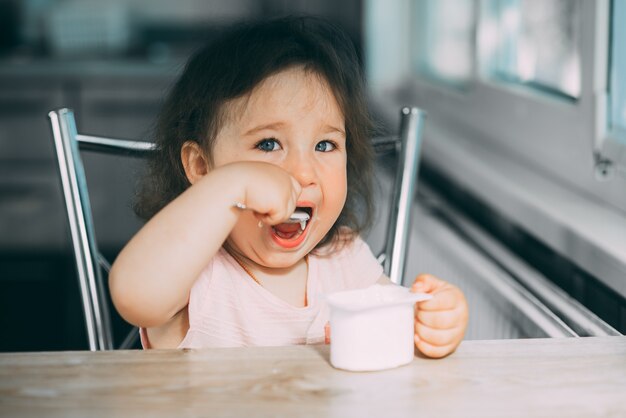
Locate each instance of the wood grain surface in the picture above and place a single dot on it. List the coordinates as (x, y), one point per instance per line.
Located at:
(582, 377)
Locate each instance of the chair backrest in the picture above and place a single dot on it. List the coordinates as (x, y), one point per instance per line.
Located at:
(404, 189)
(90, 263)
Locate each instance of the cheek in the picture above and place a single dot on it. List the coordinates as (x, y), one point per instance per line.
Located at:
(342, 186)
(226, 148)
(222, 156)
(337, 190)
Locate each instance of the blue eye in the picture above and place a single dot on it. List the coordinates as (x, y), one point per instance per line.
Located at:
(325, 146)
(268, 145)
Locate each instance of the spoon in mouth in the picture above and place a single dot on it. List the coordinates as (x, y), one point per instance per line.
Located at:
(299, 216)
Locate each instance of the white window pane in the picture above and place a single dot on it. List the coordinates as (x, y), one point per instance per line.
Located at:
(386, 41)
(443, 33)
(617, 122)
(534, 42)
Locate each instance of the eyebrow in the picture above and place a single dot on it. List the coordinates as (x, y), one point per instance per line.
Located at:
(271, 126)
(279, 125)
(331, 129)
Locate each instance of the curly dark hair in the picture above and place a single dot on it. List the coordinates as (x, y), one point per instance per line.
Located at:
(230, 67)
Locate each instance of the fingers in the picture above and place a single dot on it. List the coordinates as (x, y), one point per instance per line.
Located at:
(282, 209)
(440, 319)
(437, 343)
(445, 296)
(440, 322)
(437, 337)
(280, 215)
(434, 351)
(443, 300)
(286, 210)
(427, 283)
(270, 191)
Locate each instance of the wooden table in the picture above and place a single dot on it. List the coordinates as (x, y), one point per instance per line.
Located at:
(583, 377)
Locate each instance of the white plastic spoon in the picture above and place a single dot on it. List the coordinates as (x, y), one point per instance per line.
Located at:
(299, 216)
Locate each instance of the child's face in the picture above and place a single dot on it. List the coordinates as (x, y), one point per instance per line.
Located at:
(291, 120)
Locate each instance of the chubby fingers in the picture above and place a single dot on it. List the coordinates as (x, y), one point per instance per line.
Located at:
(446, 319)
(282, 211)
(433, 351)
(444, 295)
(440, 322)
(427, 283)
(444, 299)
(436, 342)
(436, 336)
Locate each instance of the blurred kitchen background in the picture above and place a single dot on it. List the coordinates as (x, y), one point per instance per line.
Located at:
(522, 182)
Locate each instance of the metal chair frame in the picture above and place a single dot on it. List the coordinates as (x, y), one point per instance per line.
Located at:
(90, 262)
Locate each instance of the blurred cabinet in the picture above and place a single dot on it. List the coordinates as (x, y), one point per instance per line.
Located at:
(31, 206)
(121, 104)
(24, 132)
(121, 109)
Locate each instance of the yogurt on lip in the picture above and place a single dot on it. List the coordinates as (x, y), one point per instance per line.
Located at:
(372, 329)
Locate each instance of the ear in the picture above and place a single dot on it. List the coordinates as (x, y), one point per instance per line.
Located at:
(194, 161)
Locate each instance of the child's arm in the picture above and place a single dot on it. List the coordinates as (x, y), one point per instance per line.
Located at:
(151, 278)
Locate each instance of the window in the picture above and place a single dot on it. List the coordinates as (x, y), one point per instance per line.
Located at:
(543, 80)
(387, 38)
(534, 42)
(433, 38)
(443, 36)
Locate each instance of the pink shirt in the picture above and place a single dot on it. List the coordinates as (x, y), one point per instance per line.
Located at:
(228, 309)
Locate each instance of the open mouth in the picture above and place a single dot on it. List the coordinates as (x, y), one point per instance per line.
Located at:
(292, 233)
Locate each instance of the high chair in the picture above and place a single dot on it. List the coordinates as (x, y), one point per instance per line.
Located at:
(90, 263)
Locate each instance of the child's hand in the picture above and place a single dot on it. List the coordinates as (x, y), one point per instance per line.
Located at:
(269, 190)
(441, 321)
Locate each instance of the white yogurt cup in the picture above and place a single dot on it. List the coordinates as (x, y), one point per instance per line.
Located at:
(372, 328)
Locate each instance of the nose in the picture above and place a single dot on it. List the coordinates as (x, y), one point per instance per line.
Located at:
(302, 166)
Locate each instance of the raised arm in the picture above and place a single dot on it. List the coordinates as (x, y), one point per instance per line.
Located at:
(151, 278)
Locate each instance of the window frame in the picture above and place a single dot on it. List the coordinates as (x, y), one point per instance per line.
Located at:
(498, 115)
(609, 151)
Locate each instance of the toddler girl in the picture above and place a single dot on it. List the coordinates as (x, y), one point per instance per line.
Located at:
(267, 120)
